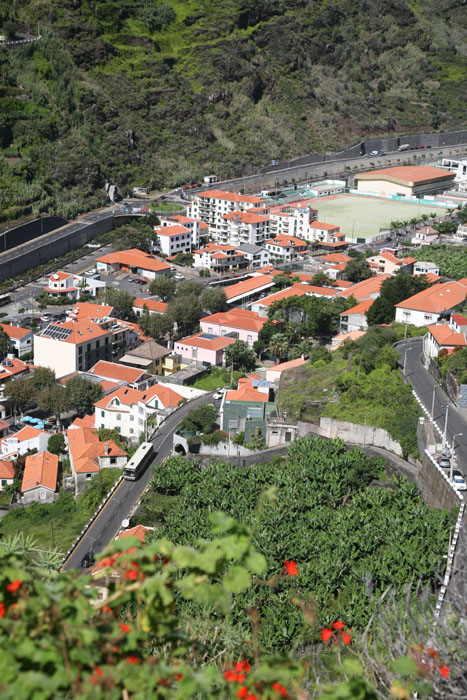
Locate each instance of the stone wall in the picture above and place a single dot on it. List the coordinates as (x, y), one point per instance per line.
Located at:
(359, 434)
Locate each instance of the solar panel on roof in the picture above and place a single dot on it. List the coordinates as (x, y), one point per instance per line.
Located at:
(57, 332)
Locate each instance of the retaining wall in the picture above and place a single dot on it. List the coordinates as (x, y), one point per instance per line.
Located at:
(359, 434)
(30, 230)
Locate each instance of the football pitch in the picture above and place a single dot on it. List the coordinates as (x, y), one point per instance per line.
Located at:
(363, 217)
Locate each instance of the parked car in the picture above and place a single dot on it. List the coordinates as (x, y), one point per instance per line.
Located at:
(46, 317)
(374, 153)
(218, 395)
(179, 277)
(88, 560)
(141, 282)
(459, 480)
(444, 462)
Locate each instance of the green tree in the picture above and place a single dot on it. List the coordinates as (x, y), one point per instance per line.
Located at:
(241, 356)
(202, 419)
(320, 279)
(189, 288)
(159, 326)
(282, 282)
(122, 303)
(54, 399)
(83, 394)
(214, 300)
(393, 290)
(257, 440)
(56, 444)
(185, 315)
(357, 271)
(163, 287)
(279, 345)
(20, 393)
(43, 377)
(185, 259)
(4, 344)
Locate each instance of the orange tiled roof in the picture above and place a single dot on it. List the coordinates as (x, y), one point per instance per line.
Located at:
(359, 308)
(408, 174)
(113, 370)
(134, 258)
(15, 331)
(335, 258)
(28, 433)
(216, 343)
(16, 367)
(246, 217)
(444, 335)
(84, 309)
(128, 397)
(81, 331)
(343, 284)
(437, 298)
(283, 366)
(230, 196)
(249, 285)
(363, 290)
(84, 422)
(174, 230)
(85, 449)
(284, 241)
(152, 305)
(237, 318)
(7, 470)
(323, 226)
(246, 392)
(320, 291)
(296, 290)
(40, 469)
(459, 319)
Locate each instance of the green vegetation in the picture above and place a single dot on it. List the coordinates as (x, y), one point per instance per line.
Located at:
(455, 362)
(210, 87)
(59, 524)
(359, 382)
(393, 290)
(216, 378)
(314, 514)
(451, 260)
(241, 356)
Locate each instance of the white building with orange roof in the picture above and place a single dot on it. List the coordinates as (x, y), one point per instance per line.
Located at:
(7, 473)
(354, 319)
(134, 261)
(211, 206)
(218, 257)
(430, 305)
(292, 219)
(319, 231)
(26, 439)
(285, 248)
(274, 373)
(96, 312)
(426, 235)
(40, 478)
(88, 455)
(425, 268)
(445, 336)
(205, 349)
(367, 289)
(153, 306)
(74, 345)
(73, 286)
(128, 410)
(405, 180)
(240, 227)
(250, 289)
(387, 264)
(261, 306)
(198, 228)
(10, 368)
(334, 259)
(173, 239)
(340, 338)
(114, 371)
(245, 324)
(21, 339)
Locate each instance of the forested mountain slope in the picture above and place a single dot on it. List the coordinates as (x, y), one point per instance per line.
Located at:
(155, 92)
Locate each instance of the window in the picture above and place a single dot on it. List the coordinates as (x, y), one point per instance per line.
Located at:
(249, 339)
(3, 482)
(102, 414)
(119, 416)
(88, 476)
(113, 460)
(131, 431)
(132, 418)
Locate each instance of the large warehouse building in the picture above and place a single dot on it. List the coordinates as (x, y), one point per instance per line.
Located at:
(405, 180)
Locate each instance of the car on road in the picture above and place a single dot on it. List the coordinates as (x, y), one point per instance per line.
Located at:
(178, 276)
(374, 153)
(88, 560)
(218, 395)
(46, 317)
(444, 462)
(132, 279)
(459, 480)
(141, 282)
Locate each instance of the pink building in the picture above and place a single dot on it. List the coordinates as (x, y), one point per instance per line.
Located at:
(246, 324)
(204, 348)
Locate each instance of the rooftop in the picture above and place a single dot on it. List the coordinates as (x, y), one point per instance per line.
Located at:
(134, 258)
(246, 217)
(149, 350)
(283, 366)
(207, 341)
(113, 370)
(159, 307)
(408, 174)
(237, 318)
(248, 286)
(7, 470)
(40, 469)
(84, 309)
(361, 308)
(284, 241)
(15, 331)
(365, 289)
(230, 196)
(74, 331)
(335, 258)
(437, 298)
(174, 230)
(296, 290)
(444, 335)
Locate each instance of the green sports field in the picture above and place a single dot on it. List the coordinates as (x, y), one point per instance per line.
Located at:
(363, 217)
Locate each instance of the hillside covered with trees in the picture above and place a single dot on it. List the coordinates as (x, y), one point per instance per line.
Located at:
(161, 92)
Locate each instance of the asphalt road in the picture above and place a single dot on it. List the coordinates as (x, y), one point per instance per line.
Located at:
(428, 388)
(108, 522)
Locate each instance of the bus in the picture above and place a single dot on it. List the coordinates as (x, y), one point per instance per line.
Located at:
(4, 299)
(138, 463)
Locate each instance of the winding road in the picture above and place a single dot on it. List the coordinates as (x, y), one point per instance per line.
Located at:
(126, 495)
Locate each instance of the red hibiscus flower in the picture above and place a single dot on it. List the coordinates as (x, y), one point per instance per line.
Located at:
(280, 689)
(133, 659)
(124, 628)
(14, 585)
(444, 671)
(242, 666)
(132, 575)
(338, 625)
(2, 610)
(291, 567)
(326, 634)
(346, 638)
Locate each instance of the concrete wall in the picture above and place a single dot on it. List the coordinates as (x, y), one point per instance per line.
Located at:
(359, 434)
(30, 230)
(53, 249)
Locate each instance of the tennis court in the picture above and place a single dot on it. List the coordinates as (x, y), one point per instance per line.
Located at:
(363, 217)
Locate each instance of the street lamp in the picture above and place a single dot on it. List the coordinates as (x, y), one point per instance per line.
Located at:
(405, 358)
(453, 454)
(433, 403)
(445, 425)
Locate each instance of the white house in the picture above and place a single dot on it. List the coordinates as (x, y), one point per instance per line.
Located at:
(425, 268)
(428, 306)
(218, 257)
(291, 220)
(128, 410)
(153, 306)
(354, 319)
(73, 286)
(40, 478)
(173, 239)
(27, 438)
(198, 228)
(322, 232)
(256, 256)
(445, 336)
(7, 473)
(21, 339)
(425, 236)
(286, 248)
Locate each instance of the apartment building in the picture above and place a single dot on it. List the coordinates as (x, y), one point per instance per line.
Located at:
(173, 239)
(256, 256)
(285, 248)
(198, 229)
(211, 206)
(72, 346)
(291, 220)
(205, 348)
(321, 232)
(218, 257)
(240, 227)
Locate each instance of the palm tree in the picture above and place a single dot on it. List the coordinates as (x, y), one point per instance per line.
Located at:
(279, 345)
(302, 348)
(425, 218)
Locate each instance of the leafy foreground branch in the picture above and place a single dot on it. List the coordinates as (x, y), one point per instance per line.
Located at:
(58, 639)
